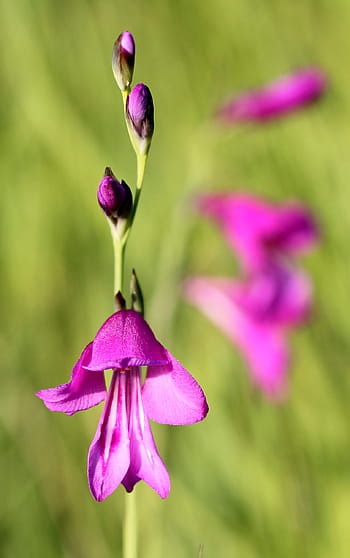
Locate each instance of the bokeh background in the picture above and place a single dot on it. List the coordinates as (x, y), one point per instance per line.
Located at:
(255, 479)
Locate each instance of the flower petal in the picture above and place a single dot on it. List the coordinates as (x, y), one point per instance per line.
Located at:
(277, 295)
(286, 94)
(109, 453)
(266, 352)
(86, 389)
(124, 340)
(172, 396)
(258, 230)
(145, 462)
(262, 344)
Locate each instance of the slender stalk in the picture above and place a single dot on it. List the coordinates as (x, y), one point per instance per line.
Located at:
(119, 248)
(141, 166)
(130, 526)
(119, 243)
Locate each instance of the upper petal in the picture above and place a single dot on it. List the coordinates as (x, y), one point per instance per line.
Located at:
(109, 453)
(86, 389)
(172, 396)
(124, 340)
(145, 461)
(258, 230)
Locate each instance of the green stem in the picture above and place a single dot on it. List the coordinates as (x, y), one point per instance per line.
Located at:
(130, 527)
(119, 248)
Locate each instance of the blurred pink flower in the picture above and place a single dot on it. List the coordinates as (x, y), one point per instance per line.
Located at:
(123, 449)
(286, 94)
(258, 231)
(255, 315)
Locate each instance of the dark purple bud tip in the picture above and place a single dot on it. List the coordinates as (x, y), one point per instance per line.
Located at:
(115, 198)
(119, 302)
(140, 112)
(123, 60)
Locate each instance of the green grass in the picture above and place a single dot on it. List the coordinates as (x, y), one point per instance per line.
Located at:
(254, 480)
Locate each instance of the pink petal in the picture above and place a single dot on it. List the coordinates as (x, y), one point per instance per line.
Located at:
(172, 396)
(288, 93)
(109, 454)
(266, 352)
(263, 345)
(145, 462)
(258, 230)
(86, 389)
(125, 340)
(277, 295)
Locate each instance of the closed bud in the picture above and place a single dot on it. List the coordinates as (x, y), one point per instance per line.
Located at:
(115, 198)
(140, 114)
(123, 59)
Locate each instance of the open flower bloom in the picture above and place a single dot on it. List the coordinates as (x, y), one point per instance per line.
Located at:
(288, 93)
(255, 315)
(123, 449)
(257, 230)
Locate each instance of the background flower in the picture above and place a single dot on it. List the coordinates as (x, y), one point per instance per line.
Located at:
(286, 94)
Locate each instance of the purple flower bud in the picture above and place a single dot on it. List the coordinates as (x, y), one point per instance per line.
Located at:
(115, 198)
(123, 59)
(140, 114)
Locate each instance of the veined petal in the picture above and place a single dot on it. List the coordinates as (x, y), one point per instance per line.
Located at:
(145, 462)
(125, 340)
(262, 344)
(172, 396)
(86, 389)
(109, 453)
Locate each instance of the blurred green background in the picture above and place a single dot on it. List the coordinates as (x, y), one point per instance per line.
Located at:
(255, 479)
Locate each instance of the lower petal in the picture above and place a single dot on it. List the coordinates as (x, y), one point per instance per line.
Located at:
(86, 389)
(109, 454)
(263, 345)
(145, 462)
(267, 354)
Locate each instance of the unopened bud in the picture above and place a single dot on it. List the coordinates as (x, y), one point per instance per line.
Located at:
(140, 114)
(123, 59)
(115, 198)
(136, 294)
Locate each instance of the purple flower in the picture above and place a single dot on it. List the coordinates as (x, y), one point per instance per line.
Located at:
(115, 198)
(123, 449)
(256, 315)
(257, 230)
(140, 114)
(274, 296)
(123, 60)
(288, 93)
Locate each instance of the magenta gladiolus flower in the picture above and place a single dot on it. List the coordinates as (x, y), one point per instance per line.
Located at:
(274, 296)
(260, 231)
(288, 93)
(256, 315)
(123, 449)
